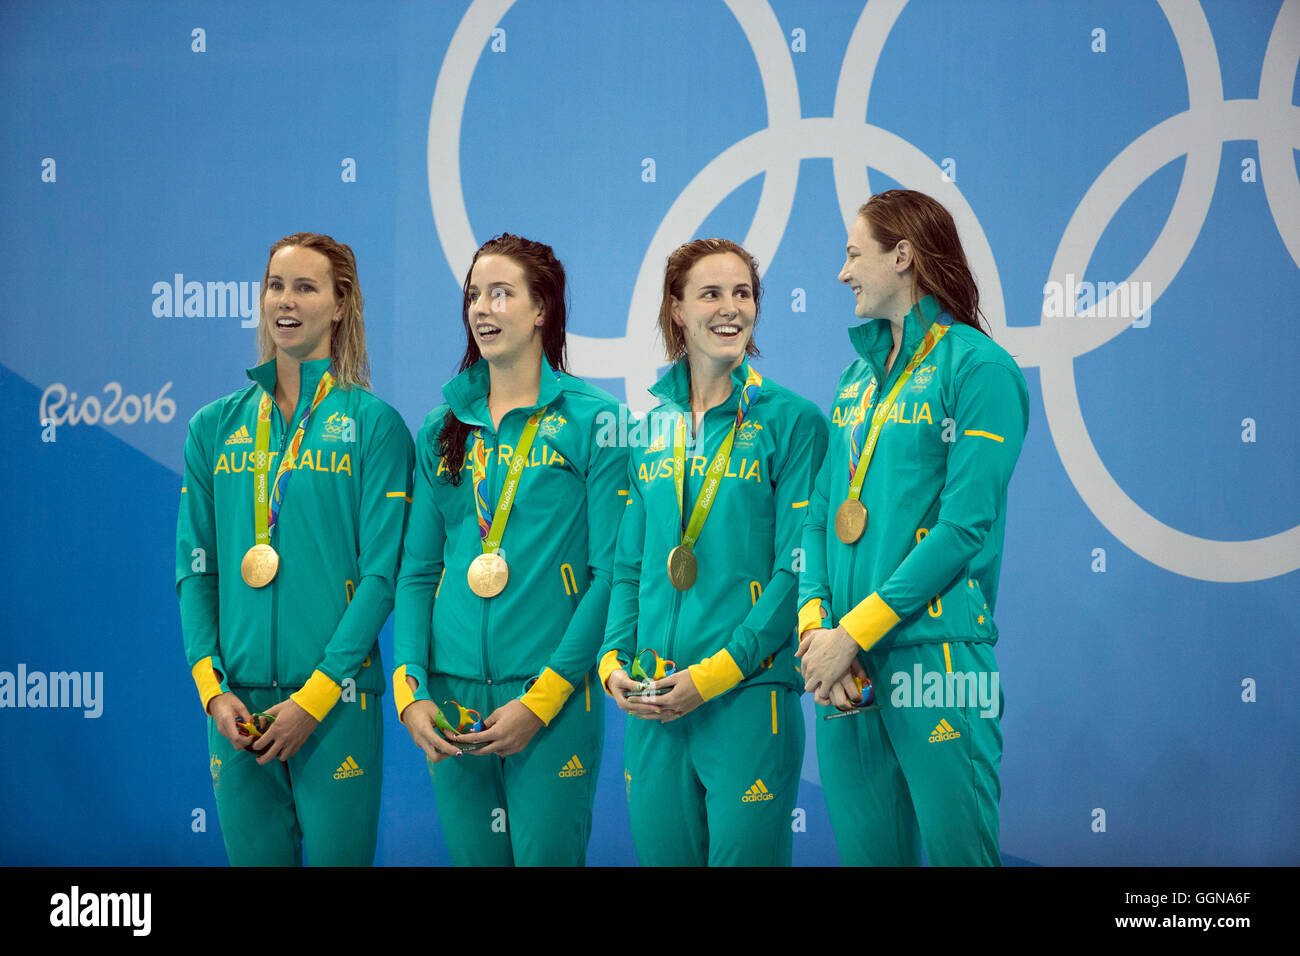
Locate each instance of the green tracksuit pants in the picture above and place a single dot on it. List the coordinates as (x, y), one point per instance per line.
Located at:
(718, 786)
(532, 808)
(922, 770)
(324, 800)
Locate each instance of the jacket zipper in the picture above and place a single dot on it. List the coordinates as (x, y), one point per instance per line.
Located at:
(484, 619)
(275, 591)
(672, 625)
(881, 391)
(686, 505)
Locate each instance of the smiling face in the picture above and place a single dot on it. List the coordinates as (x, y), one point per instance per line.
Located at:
(503, 318)
(717, 310)
(879, 278)
(299, 304)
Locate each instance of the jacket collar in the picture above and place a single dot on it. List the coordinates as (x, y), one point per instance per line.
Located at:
(467, 393)
(675, 387)
(311, 372)
(872, 340)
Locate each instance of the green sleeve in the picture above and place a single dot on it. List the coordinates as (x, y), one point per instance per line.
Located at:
(196, 553)
(607, 477)
(385, 475)
(624, 606)
(770, 622)
(814, 578)
(992, 414)
(422, 566)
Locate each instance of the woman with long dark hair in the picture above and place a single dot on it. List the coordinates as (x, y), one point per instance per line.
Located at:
(286, 558)
(505, 574)
(699, 649)
(904, 544)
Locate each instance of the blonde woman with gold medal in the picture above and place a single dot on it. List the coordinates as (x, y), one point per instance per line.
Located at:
(904, 546)
(699, 648)
(287, 546)
(505, 575)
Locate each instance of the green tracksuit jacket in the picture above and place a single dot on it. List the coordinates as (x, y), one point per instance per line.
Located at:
(339, 537)
(735, 625)
(925, 570)
(559, 544)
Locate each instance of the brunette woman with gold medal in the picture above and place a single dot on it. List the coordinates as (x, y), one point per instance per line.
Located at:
(505, 575)
(290, 529)
(699, 648)
(900, 585)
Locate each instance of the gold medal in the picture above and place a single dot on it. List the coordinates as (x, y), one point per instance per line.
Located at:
(850, 520)
(682, 567)
(259, 566)
(488, 574)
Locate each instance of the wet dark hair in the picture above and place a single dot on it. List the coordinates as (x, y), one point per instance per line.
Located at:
(939, 266)
(546, 288)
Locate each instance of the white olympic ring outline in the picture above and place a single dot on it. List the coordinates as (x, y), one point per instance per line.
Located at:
(845, 137)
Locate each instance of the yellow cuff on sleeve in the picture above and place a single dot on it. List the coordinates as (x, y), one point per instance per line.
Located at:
(547, 695)
(608, 664)
(869, 621)
(402, 693)
(318, 695)
(715, 675)
(810, 616)
(205, 679)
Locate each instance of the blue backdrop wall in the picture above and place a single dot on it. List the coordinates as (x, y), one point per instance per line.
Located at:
(1143, 150)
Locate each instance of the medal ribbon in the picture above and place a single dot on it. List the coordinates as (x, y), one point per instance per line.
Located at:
(712, 477)
(858, 466)
(855, 433)
(491, 533)
(266, 510)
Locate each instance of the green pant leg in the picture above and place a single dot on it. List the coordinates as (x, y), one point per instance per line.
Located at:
(255, 805)
(665, 799)
(950, 755)
(469, 790)
(336, 777)
(550, 785)
(747, 750)
(866, 793)
(987, 751)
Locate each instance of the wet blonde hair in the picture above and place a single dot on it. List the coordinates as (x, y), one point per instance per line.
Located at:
(348, 335)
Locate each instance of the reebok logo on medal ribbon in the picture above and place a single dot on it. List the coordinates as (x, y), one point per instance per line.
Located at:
(348, 768)
(757, 793)
(573, 768)
(240, 437)
(943, 731)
